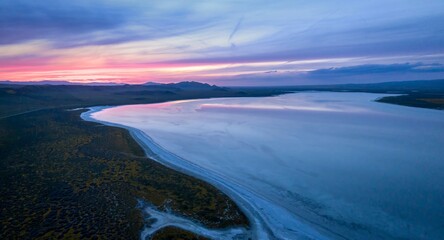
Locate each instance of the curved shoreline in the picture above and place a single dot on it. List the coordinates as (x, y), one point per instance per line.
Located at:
(263, 225)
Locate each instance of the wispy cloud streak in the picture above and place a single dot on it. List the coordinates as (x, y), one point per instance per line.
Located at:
(236, 28)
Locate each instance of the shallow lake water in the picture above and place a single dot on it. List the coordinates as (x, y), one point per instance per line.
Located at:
(347, 166)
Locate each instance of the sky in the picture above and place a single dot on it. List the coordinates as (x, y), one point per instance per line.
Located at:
(230, 42)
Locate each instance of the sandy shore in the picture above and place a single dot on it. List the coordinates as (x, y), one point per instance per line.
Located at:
(266, 219)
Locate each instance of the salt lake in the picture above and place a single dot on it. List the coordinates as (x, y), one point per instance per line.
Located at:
(310, 165)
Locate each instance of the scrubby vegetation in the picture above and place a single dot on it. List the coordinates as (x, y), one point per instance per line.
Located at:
(62, 177)
(175, 233)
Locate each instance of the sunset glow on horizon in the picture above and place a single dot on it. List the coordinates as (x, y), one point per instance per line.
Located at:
(224, 43)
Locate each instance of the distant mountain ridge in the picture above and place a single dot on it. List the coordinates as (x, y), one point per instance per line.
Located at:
(152, 84)
(191, 85)
(186, 85)
(181, 85)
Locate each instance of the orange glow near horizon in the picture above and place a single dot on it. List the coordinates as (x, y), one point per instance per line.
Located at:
(100, 70)
(125, 63)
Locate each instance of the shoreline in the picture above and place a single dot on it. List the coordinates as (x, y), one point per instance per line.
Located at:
(263, 225)
(159, 220)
